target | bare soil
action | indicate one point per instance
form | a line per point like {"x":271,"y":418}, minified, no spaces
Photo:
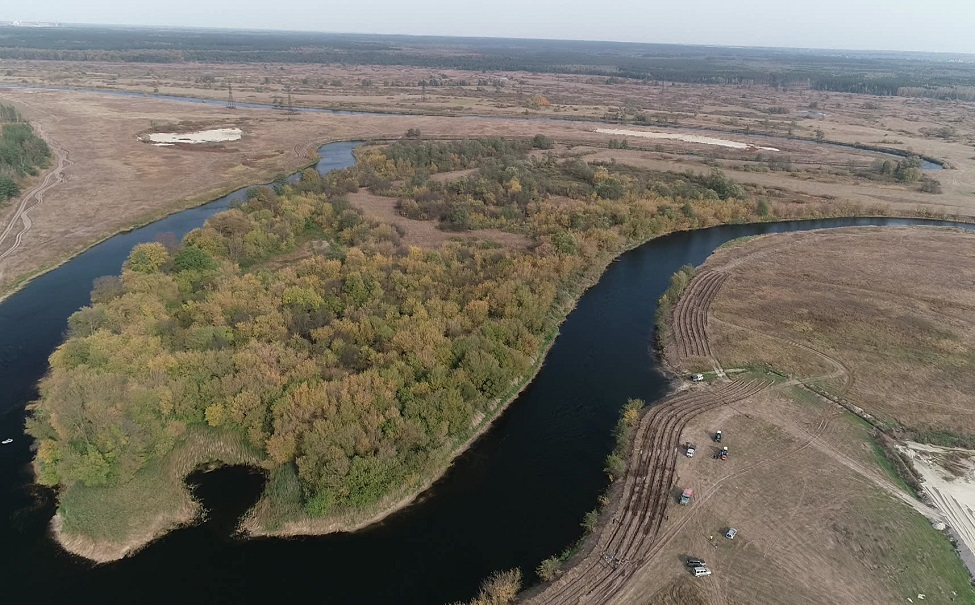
{"x":631,"y":532}
{"x":818,"y":521}
{"x":425,"y":234}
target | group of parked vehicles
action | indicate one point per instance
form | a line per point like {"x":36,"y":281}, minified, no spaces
{"x":697,"y":566}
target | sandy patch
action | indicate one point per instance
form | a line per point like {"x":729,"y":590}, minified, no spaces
{"x":217,"y":135}
{"x":949,"y":479}
{"x":687,"y":138}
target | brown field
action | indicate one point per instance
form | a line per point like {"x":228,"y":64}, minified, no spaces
{"x":894,"y":121}
{"x":877,"y":318}
{"x":112,"y":181}
{"x":819,"y":521}
{"x":893,"y":308}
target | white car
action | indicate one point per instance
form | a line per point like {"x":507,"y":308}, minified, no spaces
{"x":700,"y":571}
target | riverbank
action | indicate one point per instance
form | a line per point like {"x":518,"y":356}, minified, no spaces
{"x":256,"y":523}
{"x":780,"y":423}
{"x":583,"y":276}
{"x":254,"y":526}
{"x":202,"y":199}
{"x":186,"y":511}
{"x":159,"y":494}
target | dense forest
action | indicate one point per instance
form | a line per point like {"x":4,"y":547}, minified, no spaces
{"x":21,"y":152}
{"x":881,"y":73}
{"x":355,"y":364}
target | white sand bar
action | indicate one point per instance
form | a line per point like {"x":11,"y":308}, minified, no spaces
{"x":218,"y":135}
{"x":953,"y":493}
{"x":687,"y":138}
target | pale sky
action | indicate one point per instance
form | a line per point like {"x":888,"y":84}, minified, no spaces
{"x":932,"y":25}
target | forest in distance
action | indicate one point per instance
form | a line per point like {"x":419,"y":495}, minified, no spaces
{"x":354,"y":372}
{"x":918,"y":74}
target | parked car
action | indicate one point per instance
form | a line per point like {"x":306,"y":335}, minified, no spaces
{"x":700,"y":571}
{"x":692,"y":562}
{"x":731,"y":533}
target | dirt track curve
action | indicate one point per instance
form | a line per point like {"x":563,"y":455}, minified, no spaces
{"x":32,"y":199}
{"x":628,"y":540}
{"x":691,"y":314}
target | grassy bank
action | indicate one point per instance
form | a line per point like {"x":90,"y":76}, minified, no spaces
{"x":202,"y":199}
{"x":663,"y":317}
{"x":105,"y":525}
{"x":320,"y":363}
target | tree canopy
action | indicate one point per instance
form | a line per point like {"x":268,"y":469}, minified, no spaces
{"x":21,"y":152}
{"x":356,"y":367}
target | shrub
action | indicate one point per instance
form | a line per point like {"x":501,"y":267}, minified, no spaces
{"x":929,"y":185}
{"x":549,"y":568}
{"x":540,"y":141}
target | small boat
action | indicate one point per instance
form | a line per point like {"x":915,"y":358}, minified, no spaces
{"x":6,"y":441}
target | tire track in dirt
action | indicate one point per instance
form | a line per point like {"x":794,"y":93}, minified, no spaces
{"x":627,"y":540}
{"x":305,"y":150}
{"x":34,"y":197}
{"x":841,"y":370}
{"x":691,"y":314}
{"x":713,"y":489}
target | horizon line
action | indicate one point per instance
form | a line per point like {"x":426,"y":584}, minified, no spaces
{"x":63,"y":24}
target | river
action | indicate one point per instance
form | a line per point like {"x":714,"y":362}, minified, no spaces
{"x":514,"y":498}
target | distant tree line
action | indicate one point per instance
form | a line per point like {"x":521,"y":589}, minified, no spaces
{"x":868,"y":73}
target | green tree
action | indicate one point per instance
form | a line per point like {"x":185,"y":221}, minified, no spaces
{"x":8,"y":188}
{"x":192,"y":258}
{"x":540,"y":141}
{"x":148,"y":258}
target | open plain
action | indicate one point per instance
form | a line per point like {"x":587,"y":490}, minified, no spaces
{"x":869,"y":331}
{"x":836,"y":344}
{"x":112,"y":180}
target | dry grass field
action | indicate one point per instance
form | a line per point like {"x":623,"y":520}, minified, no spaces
{"x":878,"y":318}
{"x":425,"y":234}
{"x":113,"y":181}
{"x":892,"y":306}
{"x":818,"y":519}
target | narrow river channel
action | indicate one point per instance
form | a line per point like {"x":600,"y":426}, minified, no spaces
{"x":516,"y":497}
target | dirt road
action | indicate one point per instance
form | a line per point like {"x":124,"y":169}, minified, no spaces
{"x":32,"y":199}
{"x":629,"y":539}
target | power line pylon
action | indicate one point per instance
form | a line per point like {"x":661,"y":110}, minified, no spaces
{"x":291,"y":104}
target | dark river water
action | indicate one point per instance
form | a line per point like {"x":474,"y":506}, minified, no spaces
{"x":514,"y":498}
